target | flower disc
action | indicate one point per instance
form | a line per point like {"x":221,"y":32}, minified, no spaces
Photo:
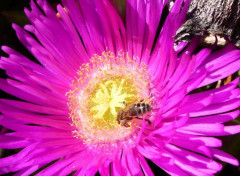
{"x":104,"y":87}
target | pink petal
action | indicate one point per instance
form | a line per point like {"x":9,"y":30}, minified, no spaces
{"x":221,"y":118}
{"x":221,"y":73}
{"x":195,"y":104}
{"x":28,"y":171}
{"x":192,"y":146}
{"x":33,"y":108}
{"x":224,"y":157}
{"x":146,"y":169}
{"x":230,"y":130}
{"x":217,"y":108}
{"x":59,"y":165}
{"x":8,"y":142}
{"x":207,"y":141}
{"x":203,"y":128}
{"x":197,"y":164}
{"x":132,"y":162}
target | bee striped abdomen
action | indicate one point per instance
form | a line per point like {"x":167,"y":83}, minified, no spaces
{"x":143,"y":108}
{"x":139,"y":109}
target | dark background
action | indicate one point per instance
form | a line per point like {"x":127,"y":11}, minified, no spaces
{"x":11,"y":11}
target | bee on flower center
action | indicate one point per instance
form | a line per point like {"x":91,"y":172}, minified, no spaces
{"x":132,"y":111}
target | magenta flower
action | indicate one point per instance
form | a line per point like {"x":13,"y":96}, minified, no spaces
{"x":92,"y":67}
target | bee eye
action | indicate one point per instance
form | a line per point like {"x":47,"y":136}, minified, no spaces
{"x":138,"y":105}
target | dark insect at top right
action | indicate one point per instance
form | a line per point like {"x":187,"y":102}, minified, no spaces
{"x":217,"y":18}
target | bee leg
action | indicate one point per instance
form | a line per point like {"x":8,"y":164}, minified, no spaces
{"x":148,"y":121}
{"x":129,"y":118}
{"x":126,"y":124}
{"x":119,"y":116}
{"x":118,"y":121}
{"x":125,"y":103}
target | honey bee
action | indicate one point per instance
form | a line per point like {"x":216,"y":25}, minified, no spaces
{"x":133,"y":111}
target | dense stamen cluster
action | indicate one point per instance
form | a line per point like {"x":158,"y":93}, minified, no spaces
{"x":98,"y":94}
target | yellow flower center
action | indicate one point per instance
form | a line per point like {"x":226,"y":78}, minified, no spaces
{"x":100,"y":91}
{"x":107,"y":99}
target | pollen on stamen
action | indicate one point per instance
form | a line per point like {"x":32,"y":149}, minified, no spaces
{"x":98,"y":92}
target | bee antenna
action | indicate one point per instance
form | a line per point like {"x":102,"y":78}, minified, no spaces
{"x":124,"y":103}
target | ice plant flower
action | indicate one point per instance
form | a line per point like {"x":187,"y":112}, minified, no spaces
{"x":92,"y":66}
